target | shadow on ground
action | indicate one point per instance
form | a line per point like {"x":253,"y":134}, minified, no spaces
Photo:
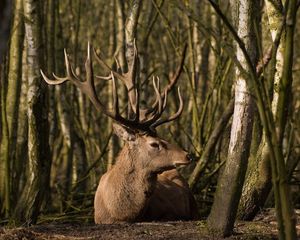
{"x":264,"y":227}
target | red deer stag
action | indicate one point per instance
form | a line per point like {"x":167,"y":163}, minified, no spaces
{"x":143,"y":184}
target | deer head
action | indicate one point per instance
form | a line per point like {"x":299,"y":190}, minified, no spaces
{"x":150,"y":152}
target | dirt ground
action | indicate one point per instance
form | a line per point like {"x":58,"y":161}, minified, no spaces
{"x":264,"y":227}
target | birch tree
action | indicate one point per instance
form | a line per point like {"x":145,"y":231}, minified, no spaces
{"x":229,"y":189}
{"x":30,"y":202}
{"x":258,"y":183}
{"x":283,"y":203}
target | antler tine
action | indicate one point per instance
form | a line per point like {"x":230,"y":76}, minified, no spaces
{"x":129,"y":79}
{"x":71,"y":76}
{"x":165,"y":100}
{"x":103,"y":77}
{"x":157,"y":109}
{"x":117,"y":63}
{"x":158,"y":83}
{"x":57,"y":80}
{"x":156,"y":112}
{"x":105,"y":65}
{"x":109,"y":77}
{"x":132,"y":78}
{"x":88,"y":87}
{"x":176,"y":76}
{"x":158,"y":97}
{"x":115,"y":96}
{"x":137,"y":106}
{"x":70,"y":72}
{"x":174,"y":116}
{"x":89,"y":68}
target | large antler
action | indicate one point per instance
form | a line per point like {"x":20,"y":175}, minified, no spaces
{"x":130,"y":81}
{"x":145,"y":119}
{"x":87,"y":86}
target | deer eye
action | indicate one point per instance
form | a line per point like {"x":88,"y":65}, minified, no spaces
{"x":154,"y":145}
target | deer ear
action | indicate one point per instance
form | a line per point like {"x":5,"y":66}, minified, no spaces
{"x":123,"y":132}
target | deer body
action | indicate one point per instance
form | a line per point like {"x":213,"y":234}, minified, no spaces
{"x":171,"y":200}
{"x":121,"y":193}
{"x":133,"y":190}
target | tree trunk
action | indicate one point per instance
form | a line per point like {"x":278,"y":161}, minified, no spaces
{"x":21,"y":153}
{"x":50,"y":43}
{"x":13,"y":97}
{"x":259,"y":178}
{"x":4,"y":175}
{"x":258,"y":183}
{"x":29,"y":204}
{"x":202,"y":67}
{"x":111,"y":49}
{"x":131,"y":29}
{"x":121,"y":34}
{"x":5,"y":14}
{"x":229,"y":189}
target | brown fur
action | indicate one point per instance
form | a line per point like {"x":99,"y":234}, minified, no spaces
{"x":171,"y":199}
{"x":134,"y":189}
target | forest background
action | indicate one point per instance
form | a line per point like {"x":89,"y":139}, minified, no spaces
{"x":240,"y":84}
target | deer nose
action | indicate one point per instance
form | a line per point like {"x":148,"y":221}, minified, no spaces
{"x":189,"y":157}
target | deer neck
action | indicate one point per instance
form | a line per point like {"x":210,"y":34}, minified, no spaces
{"x":128,"y":163}
{"x":138,"y":182}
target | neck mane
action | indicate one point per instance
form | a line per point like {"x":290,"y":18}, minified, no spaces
{"x":139,"y":183}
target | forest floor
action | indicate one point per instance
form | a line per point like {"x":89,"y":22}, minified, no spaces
{"x":263,"y":227}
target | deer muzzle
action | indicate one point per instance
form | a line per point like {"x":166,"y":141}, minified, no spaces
{"x":185,"y":161}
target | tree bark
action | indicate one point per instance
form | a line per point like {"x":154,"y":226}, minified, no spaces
{"x":131,"y":29}
{"x":210,"y":145}
{"x":229,"y":189}
{"x":5,"y":15}
{"x":111,"y":49}
{"x":13,"y":98}
{"x":4,"y":150}
{"x":18,"y":179}
{"x":121,"y":34}
{"x":258,"y":184}
{"x":29,"y":204}
{"x":50,"y":46}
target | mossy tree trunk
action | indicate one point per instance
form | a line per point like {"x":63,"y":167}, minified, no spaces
{"x":12,"y":104}
{"x":222,"y":217}
{"x":111,"y":50}
{"x":259,"y":178}
{"x":284,"y":209}
{"x":4,"y":140}
{"x":5,"y":17}
{"x":22,"y":140}
{"x":30,"y":202}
